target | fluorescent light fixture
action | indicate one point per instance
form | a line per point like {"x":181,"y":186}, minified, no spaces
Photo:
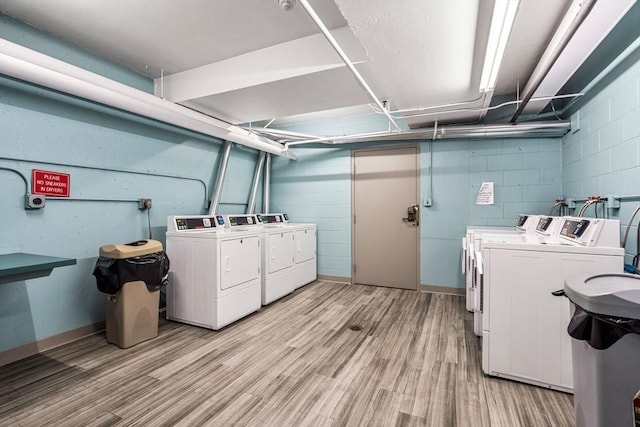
{"x":504,"y":13}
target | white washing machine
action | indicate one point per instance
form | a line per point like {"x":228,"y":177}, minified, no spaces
{"x":306,"y":259}
{"x":523,"y":323}
{"x":524,"y":224}
{"x":278,"y":257}
{"x":215,"y":271}
{"x":538,"y":228}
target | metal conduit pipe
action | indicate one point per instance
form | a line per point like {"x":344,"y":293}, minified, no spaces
{"x":494,"y":107}
{"x":266,"y":189}
{"x":557,"y":45}
{"x":627,"y":54}
{"x":222,"y":171}
{"x":632,"y":49}
{"x":456,"y":105}
{"x":251,"y":206}
{"x":553,"y":129}
{"x":327,"y":34}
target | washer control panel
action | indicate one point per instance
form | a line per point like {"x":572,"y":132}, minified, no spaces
{"x":548,"y":225}
{"x":279,"y":218}
{"x":191,"y":223}
{"x":242,"y":221}
{"x":600,"y":232}
{"x":527,"y":222}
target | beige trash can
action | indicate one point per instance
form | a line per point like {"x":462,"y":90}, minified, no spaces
{"x":137,"y":270}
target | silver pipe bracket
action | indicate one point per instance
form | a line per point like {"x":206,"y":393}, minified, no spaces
{"x":613,"y":202}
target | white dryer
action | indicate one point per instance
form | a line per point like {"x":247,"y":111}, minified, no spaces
{"x":278,"y":257}
{"x":524,"y":319}
{"x":306,"y":259}
{"x":215,"y":272}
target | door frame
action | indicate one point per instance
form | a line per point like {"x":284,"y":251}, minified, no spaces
{"x":353,"y":185}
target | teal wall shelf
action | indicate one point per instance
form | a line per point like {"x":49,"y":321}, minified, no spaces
{"x":19,"y":266}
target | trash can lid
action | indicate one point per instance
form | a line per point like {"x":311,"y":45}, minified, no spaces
{"x":612,"y":294}
{"x":131,"y":249}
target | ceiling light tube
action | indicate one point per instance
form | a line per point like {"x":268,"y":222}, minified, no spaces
{"x":34,"y":67}
{"x":504,"y":13}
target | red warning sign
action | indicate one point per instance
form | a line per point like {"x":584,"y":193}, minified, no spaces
{"x":50,"y":183}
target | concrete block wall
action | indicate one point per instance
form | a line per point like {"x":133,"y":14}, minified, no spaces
{"x":113,"y":159}
{"x":527,"y":178}
{"x":317,"y":188}
{"x":602,"y":158}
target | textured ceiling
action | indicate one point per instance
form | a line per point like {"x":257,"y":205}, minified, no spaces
{"x":251,"y":61}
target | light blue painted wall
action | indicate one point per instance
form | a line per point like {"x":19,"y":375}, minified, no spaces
{"x":317,"y":188}
{"x":527,"y":178}
{"x":50,"y":131}
{"x":603,"y":157}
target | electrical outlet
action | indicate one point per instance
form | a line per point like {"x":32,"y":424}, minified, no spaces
{"x":144,"y":204}
{"x":34,"y":201}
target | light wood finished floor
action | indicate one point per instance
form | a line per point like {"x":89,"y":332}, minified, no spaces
{"x":415,"y":362}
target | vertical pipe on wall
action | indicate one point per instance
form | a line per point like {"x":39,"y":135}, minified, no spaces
{"x":256,"y":180}
{"x":222,"y":170}
{"x":266,"y":191}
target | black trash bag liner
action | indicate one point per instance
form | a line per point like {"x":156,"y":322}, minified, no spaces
{"x":599,"y":330}
{"x":152,"y":269}
{"x":106,"y":275}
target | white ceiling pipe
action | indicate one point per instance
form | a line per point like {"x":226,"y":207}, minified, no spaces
{"x":550,"y":129}
{"x":280,"y":132}
{"x":577,"y":13}
{"x":327,"y":34}
{"x":28,"y":65}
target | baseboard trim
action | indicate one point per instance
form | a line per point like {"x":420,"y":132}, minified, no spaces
{"x":334,"y":278}
{"x":26,"y":350}
{"x":441,"y":289}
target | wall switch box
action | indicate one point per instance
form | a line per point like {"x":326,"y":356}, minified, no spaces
{"x":575,"y":122}
{"x":34,"y":201}
{"x":428,"y":202}
{"x":144,"y":204}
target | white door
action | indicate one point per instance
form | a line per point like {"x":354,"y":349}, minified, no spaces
{"x":386,"y":217}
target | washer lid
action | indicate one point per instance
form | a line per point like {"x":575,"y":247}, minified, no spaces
{"x":613,"y":294}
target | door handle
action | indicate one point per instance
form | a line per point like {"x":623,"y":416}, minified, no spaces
{"x":413,"y":215}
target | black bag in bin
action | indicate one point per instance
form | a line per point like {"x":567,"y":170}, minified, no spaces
{"x":111,"y":273}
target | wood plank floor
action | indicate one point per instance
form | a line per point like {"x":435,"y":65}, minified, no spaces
{"x":415,"y":362}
